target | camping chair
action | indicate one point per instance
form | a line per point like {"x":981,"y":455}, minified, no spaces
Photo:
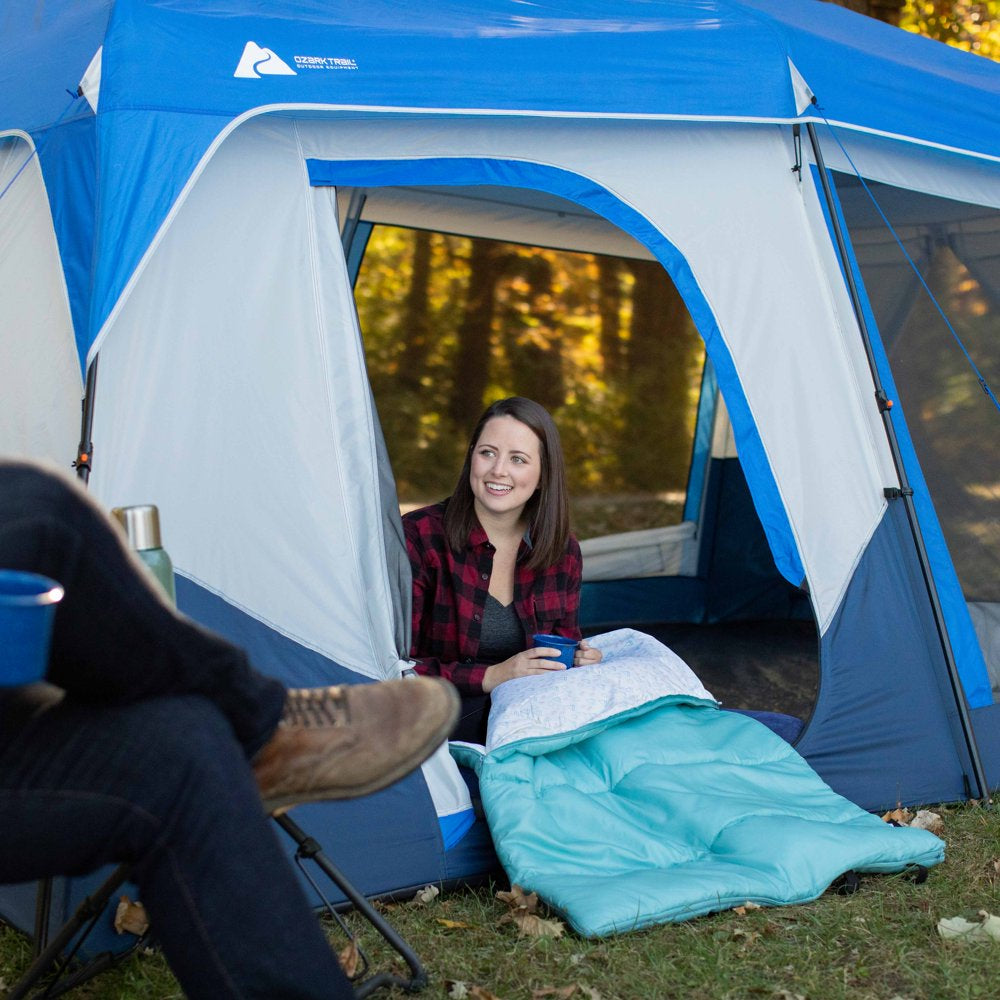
{"x":53,"y":957}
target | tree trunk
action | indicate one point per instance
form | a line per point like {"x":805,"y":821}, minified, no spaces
{"x":656,"y":447}
{"x":472,"y":359}
{"x":610,"y":291}
{"x":416,"y":315}
{"x":531,"y":336}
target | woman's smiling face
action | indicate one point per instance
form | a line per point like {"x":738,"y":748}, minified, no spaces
{"x":506,"y":467}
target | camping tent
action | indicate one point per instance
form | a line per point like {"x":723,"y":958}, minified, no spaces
{"x":191,"y":220}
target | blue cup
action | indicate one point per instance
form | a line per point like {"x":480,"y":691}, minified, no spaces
{"x":566,"y":647}
{"x":27,"y":608}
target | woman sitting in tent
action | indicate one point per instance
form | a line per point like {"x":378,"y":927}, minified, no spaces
{"x":495,"y":563}
{"x":621,"y":794}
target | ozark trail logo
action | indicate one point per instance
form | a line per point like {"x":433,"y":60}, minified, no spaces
{"x":257,"y":61}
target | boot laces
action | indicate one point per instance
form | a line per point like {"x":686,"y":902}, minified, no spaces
{"x":312,"y":708}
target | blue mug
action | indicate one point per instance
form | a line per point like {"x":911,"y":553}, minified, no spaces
{"x":566,"y":647}
{"x":27,"y":609}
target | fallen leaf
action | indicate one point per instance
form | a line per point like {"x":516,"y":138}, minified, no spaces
{"x":481,"y":993}
{"x":532,"y":925}
{"x":900,"y":816}
{"x":564,"y":992}
{"x":984,"y":927}
{"x":788,"y":995}
{"x":130,"y":918}
{"x":350,"y":959}
{"x":426,"y":895}
{"x":457,"y":990}
{"x":927,"y":820}
{"x":518,"y":899}
{"x":745,"y":908}
{"x":453,"y":925}
{"x":747,"y":937}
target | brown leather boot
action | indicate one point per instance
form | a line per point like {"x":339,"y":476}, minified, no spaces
{"x":345,"y":741}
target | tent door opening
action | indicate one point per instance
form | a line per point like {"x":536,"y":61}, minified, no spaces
{"x":672,"y":542}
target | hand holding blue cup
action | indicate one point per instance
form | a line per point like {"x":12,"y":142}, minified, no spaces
{"x":566,"y":647}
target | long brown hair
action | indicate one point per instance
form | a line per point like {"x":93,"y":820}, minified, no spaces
{"x":548,"y":509}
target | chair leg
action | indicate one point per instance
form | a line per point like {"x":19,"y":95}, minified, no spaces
{"x":309,"y":848}
{"x":48,"y":953}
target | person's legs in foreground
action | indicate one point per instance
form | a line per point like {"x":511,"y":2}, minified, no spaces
{"x":146,"y":759}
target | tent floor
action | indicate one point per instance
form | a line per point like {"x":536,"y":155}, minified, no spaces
{"x":767,"y":666}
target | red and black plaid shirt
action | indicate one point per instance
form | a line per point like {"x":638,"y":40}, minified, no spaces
{"x":449,"y":596}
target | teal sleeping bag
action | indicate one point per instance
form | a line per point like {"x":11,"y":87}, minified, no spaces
{"x":625,"y":797}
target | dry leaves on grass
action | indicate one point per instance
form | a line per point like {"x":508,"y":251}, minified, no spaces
{"x":523,"y":913}
{"x":927,"y":820}
{"x":130,"y":918}
{"x":350,"y":958}
{"x":745,"y":908}
{"x":899,"y":815}
{"x":532,"y":925}
{"x":745,"y":938}
{"x":923,"y":819}
{"x":454,"y":925}
{"x":426,"y":895}
{"x":983,"y":926}
{"x":517,"y":898}
{"x":458,"y":990}
{"x":565,"y":992}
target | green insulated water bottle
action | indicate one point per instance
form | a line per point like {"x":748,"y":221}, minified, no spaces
{"x":142,"y":527}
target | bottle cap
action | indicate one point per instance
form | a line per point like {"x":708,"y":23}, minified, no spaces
{"x":141,"y":524}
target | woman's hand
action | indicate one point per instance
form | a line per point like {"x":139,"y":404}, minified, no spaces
{"x":524,"y":664}
{"x":586,"y":655}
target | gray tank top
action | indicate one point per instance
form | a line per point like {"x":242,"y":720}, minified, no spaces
{"x":501,"y":635}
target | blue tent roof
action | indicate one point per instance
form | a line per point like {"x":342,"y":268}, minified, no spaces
{"x":169,"y":86}
{"x":633,"y":57}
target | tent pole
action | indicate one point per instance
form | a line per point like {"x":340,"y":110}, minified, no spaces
{"x":85,"y":450}
{"x":905,"y":492}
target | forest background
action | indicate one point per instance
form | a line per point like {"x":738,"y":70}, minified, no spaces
{"x":605,"y":343}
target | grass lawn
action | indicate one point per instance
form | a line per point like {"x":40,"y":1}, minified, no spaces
{"x":879,"y":943}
